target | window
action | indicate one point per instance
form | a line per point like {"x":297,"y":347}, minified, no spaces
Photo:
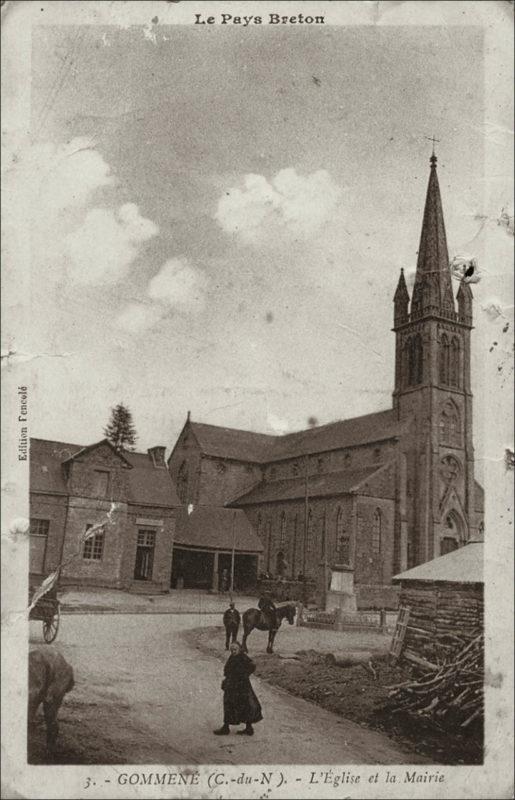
{"x":454,"y":369}
{"x":182,"y":482}
{"x":377,"y":531}
{"x":451,"y":537}
{"x":101,"y":481}
{"x":342,"y":539}
{"x":38,"y":542}
{"x":39,"y":527}
{"x":295,"y":470}
{"x":220,"y":467}
{"x":320,"y":464}
{"x":94,"y":546}
{"x":310,"y":526}
{"x":273,"y":473}
{"x":444,"y":359}
{"x":144,"y":555}
{"x":282,"y":538}
{"x":414,"y":354}
{"x":377,"y":454}
{"x":347,"y":459}
{"x":280,"y":564}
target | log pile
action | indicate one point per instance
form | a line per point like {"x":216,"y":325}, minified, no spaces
{"x":449,"y":694}
{"x":436,"y":612}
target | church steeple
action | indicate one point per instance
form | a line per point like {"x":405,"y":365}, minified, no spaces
{"x":432,"y":292}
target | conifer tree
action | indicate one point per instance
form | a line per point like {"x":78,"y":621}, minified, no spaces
{"x":120,"y":430}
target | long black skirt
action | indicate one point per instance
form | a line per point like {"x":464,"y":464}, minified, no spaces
{"x":241,"y":704}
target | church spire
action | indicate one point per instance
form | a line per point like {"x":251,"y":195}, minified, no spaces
{"x":432,"y":292}
{"x":401,"y":302}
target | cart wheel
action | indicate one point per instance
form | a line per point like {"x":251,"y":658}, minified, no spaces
{"x":50,"y":627}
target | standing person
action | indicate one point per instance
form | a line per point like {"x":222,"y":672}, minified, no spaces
{"x":232,"y":621}
{"x":240,"y":702}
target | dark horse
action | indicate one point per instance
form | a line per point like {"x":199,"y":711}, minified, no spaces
{"x":254,"y":618}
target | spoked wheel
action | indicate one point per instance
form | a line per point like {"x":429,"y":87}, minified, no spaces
{"x":51,"y":626}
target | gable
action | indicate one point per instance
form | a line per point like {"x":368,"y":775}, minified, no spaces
{"x":102,"y":453}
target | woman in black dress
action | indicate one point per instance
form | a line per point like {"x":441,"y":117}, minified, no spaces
{"x":240,"y":702}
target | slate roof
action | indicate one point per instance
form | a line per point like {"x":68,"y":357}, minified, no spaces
{"x":332,"y":483}
{"x":263,"y":448}
{"x":216,"y":528}
{"x":148,"y":485}
{"x":464,"y":565}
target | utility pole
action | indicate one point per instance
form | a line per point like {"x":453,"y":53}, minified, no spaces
{"x":233,"y":553}
{"x":306,"y":513}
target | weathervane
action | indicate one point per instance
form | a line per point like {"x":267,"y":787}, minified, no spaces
{"x":432,"y":139}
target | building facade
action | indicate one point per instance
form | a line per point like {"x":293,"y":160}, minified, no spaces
{"x":379,"y":493}
{"x":127,"y":497}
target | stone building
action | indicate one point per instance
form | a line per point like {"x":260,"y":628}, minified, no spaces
{"x":129,"y":495}
{"x":378,"y":493}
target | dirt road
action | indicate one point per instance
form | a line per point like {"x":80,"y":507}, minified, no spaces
{"x":144,"y":695}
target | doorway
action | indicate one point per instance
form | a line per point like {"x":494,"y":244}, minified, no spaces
{"x":144,"y":555}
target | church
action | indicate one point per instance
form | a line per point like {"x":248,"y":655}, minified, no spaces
{"x":376,"y":494}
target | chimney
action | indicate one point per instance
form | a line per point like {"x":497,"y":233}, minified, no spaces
{"x":157,"y":454}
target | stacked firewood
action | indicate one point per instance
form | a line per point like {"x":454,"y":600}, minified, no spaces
{"x":449,"y":694}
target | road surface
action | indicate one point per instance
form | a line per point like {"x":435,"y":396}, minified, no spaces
{"x":144,"y":695}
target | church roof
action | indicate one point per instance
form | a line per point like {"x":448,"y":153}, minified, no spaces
{"x":216,"y":528}
{"x":464,"y":565}
{"x":331,"y":483}
{"x":232,"y":443}
{"x":148,"y":485}
{"x":263,"y":448}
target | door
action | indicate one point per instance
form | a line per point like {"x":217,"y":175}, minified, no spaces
{"x":144,"y":555}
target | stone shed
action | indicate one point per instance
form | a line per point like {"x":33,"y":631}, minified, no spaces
{"x":445,"y":597}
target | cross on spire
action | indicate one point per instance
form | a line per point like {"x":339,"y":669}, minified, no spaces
{"x":432,"y":139}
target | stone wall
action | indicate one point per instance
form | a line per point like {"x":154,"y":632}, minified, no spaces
{"x":222,"y":480}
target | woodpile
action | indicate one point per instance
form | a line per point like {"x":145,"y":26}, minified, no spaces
{"x":449,"y":694}
{"x":436,"y":612}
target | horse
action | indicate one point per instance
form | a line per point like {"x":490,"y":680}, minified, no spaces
{"x":255,"y":618}
{"x":50,"y":678}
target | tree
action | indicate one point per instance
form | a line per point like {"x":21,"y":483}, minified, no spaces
{"x":120,"y":430}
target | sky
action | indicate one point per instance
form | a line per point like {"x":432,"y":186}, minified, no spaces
{"x":219,"y":217}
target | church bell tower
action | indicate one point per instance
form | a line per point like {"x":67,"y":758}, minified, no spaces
{"x":432,"y":395}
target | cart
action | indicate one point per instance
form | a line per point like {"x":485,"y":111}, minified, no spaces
{"x":46,"y":609}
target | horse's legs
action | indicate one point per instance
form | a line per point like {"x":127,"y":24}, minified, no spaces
{"x":50,"y":710}
{"x":271,"y":637}
{"x":244,"y":640}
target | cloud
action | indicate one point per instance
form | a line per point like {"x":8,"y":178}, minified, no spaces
{"x":138,"y":317}
{"x":102,"y":248}
{"x":80,"y":236}
{"x":290,"y":204}
{"x":178,"y":285}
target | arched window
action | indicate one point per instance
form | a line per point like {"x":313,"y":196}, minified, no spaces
{"x":182,"y":482}
{"x":268,"y":544}
{"x":342,"y":540}
{"x":258,"y":524}
{"x":444,"y":359}
{"x":450,"y":426}
{"x":310,"y":526}
{"x":377,"y":531}
{"x":454,"y":368}
{"x":282,"y":535}
{"x":294,"y":546}
{"x":414,"y":345}
{"x":481,"y":529}
{"x":295,"y":469}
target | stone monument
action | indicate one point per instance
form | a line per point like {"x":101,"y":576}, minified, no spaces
{"x":341,"y":597}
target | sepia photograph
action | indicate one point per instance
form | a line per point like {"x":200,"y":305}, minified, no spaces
{"x":257,"y":351}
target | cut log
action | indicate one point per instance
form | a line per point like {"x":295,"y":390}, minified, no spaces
{"x":420,"y":662}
